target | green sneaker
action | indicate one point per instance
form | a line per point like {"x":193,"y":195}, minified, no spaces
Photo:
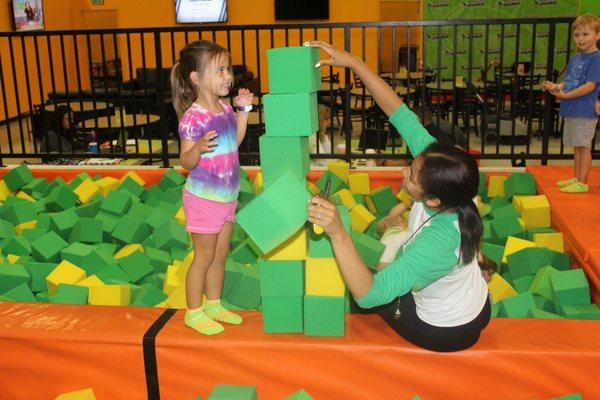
{"x":200,"y":322}
{"x":218,"y":313}
{"x":566,"y":182}
{"x":577,"y":187}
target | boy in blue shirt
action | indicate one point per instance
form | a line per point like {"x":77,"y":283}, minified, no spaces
{"x":578,"y":94}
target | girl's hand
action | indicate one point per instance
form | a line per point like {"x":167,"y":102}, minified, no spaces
{"x":323,"y":213}
{"x":207,"y":143}
{"x":244,"y":98}
{"x":337,"y":57}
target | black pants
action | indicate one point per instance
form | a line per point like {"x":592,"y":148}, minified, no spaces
{"x":430,"y":337}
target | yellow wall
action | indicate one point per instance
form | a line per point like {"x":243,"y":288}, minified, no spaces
{"x":66,"y":14}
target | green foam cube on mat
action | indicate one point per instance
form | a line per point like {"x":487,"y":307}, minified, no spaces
{"x":517,"y":306}
{"x":179,"y":253}
{"x":70,"y":294}
{"x":527,"y":261}
{"x":7,"y":229}
{"x":159,"y":259}
{"x":108,"y":248}
{"x":42,"y":297}
{"x":246,"y":293}
{"x":130,"y":230}
{"x":153,"y":192}
{"x":540,"y":285}
{"x":32,"y":234}
{"x":560,"y":261}
{"x":574,"y":396}
{"x":109,"y":221}
{"x":508,"y":210}
{"x":282,"y":314}
{"x":132,"y":187}
{"x":16,"y":245}
{"x":76,"y":252}
{"x":498,"y":202}
{"x":44,"y":221}
{"x":36,"y":187}
{"x":280,"y":154}
{"x":532,"y":231}
{"x":281,"y":278}
{"x":522,"y":284}
{"x":535,"y":312}
{"x":96,"y":261}
{"x":324,"y":316}
{"x":171,"y":234}
{"x":570,"y":287}
{"x":337,"y":183}
{"x":136,"y":265}
{"x":369,"y":249}
{"x":139,"y":211}
{"x":231,"y":280}
{"x":20,"y":293}
{"x":157,"y":217}
{"x":87,"y":230}
{"x":19,"y":212}
{"x":544,"y":304}
{"x":522,"y":183}
{"x":319,"y":246}
{"x":111,"y":274}
{"x":299,"y":395}
{"x":504,"y":227}
{"x":154,"y":279}
{"x":291,"y":114}
{"x":283,"y":204}
{"x":233,"y":392}
{"x":38,"y":273}
{"x":384,"y":199}
{"x":18,"y":177}
{"x":170,"y":179}
{"x":82,"y":176}
{"x":11,"y":276}
{"x":172,"y":195}
{"x":61,"y":198}
{"x":292,"y":69}
{"x":62,"y":222}
{"x":48,"y":247}
{"x":116,"y":203}
{"x":581,"y":311}
{"x":148,"y":295}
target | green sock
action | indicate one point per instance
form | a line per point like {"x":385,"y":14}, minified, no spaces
{"x":216,"y":311}
{"x":200,"y":322}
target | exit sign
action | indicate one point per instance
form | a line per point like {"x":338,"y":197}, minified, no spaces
{"x":97,"y":2}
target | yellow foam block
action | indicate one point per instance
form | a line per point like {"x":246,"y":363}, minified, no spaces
{"x":314,"y":189}
{"x":359,"y":183}
{"x":86,"y":190}
{"x":403,"y":195}
{"x":518,"y":201}
{"x":129,"y":249}
{"x":90,"y":281}
{"x":85,"y":394}
{"x":12,"y":258}
{"x":340,"y":168}
{"x":346,"y":197}
{"x":360,"y":218}
{"x":323,"y":277}
{"x":25,"y":196}
{"x":4,"y":190}
{"x":500,"y":289}
{"x":294,"y":248}
{"x":107,"y":184}
{"x":172,"y":280}
{"x":553,"y":241}
{"x":162,"y":304}
{"x":25,"y":225}
{"x":65,"y":272}
{"x":496,"y":186}
{"x":180,"y":269}
{"x":187,"y":261}
{"x":522,"y":223}
{"x":257,"y":185}
{"x":110,"y":295}
{"x":180,"y":216}
{"x":177,"y":299}
{"x":370,"y":204}
{"x":514,"y":244}
{"x":535,"y":211}
{"x":133,"y":176}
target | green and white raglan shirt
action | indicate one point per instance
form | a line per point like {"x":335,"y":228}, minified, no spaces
{"x":446,"y":293}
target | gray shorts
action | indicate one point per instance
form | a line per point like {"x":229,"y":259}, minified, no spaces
{"x":579,"y":132}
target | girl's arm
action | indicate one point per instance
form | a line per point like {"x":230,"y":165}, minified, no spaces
{"x":244,"y":98}
{"x":191,"y":151}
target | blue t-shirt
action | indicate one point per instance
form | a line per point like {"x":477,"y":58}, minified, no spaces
{"x":582,"y":68}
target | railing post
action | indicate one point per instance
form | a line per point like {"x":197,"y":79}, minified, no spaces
{"x":161,"y":101}
{"x":347,"y":119}
{"x":550,"y":101}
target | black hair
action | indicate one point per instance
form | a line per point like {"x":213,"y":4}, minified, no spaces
{"x":56,"y":120}
{"x":451,"y":175}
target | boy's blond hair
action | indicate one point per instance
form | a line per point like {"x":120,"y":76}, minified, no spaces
{"x":589,"y":20}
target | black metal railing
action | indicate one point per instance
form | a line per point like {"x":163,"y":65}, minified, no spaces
{"x":117,"y":84}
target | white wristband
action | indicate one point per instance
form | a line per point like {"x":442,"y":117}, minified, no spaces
{"x":244,"y":108}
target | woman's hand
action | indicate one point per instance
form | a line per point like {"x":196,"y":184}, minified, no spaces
{"x":207,"y":143}
{"x":322,"y":212}
{"x":244,"y":98}
{"x":337,"y":57}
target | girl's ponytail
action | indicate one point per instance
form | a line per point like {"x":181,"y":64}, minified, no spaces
{"x":471,"y":230}
{"x":182,"y":91}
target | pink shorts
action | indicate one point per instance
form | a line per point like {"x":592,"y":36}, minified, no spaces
{"x":206,"y":216}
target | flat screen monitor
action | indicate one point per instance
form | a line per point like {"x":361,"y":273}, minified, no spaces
{"x":28,"y":15}
{"x":195,"y":11}
{"x":301,"y":9}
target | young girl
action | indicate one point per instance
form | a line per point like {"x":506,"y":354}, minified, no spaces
{"x":433,"y":294}
{"x":210,"y":134}
{"x":322,"y":136}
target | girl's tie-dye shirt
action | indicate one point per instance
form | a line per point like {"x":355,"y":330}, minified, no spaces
{"x":217,"y":175}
